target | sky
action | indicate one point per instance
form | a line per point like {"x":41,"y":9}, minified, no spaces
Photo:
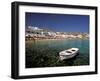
{"x":58,"y":22}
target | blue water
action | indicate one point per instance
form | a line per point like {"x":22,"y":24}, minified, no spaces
{"x":49,"y":51}
{"x":61,"y":45}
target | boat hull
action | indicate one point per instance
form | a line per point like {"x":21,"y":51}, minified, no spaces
{"x":67,"y":56}
{"x":63,"y":57}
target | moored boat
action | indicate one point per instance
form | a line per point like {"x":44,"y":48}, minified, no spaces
{"x":69,"y":53}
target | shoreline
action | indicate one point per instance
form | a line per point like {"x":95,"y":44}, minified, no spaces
{"x":56,"y":39}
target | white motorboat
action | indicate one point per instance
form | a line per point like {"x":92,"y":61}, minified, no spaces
{"x":69,"y":53}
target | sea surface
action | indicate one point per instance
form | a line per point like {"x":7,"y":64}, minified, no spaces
{"x":45,"y":53}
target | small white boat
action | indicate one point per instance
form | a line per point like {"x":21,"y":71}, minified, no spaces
{"x":67,"y":54}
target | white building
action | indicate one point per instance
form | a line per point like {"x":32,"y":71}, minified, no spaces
{"x":34,"y":28}
{"x":79,"y":36}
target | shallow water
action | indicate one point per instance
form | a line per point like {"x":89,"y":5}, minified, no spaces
{"x":45,"y":53}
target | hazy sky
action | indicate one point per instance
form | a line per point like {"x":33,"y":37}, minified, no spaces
{"x":58,"y":22}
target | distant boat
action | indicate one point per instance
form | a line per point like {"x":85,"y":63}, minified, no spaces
{"x":67,"y":54}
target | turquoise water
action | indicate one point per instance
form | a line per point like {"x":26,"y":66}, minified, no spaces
{"x":45,"y":53}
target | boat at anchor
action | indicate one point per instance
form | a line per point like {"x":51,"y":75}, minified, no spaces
{"x":69,"y":53}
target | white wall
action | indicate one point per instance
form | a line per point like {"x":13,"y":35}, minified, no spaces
{"x":5,"y":40}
